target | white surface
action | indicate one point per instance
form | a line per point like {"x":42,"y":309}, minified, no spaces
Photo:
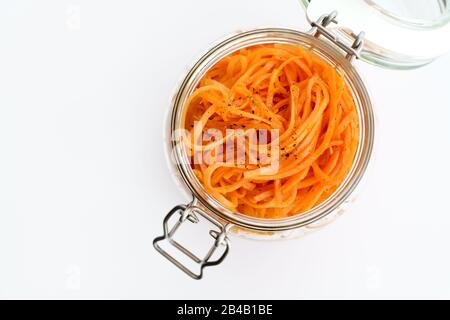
{"x":84,"y":88}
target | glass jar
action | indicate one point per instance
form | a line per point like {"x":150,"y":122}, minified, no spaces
{"x":339,"y":50}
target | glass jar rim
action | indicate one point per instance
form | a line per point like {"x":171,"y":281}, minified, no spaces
{"x":180,"y":159}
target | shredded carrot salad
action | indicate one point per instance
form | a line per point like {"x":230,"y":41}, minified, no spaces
{"x":293,"y":117}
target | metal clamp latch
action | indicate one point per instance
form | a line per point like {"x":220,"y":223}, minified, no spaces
{"x":189,"y":213}
{"x":319,"y":28}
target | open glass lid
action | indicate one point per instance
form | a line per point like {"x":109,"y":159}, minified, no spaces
{"x":399,"y":34}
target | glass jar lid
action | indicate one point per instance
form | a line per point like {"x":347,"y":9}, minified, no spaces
{"x":399,"y":34}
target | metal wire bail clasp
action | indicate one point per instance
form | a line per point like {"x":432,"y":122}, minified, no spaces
{"x":319,"y":28}
{"x":190,"y":213}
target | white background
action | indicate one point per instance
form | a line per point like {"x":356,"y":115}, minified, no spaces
{"x":84,"y":185}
